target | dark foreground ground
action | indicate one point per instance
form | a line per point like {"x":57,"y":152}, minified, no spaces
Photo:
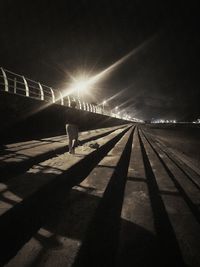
{"x":134,"y":201}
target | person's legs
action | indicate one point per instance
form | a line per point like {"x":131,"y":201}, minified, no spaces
{"x":73,"y":146}
{"x":70,"y":145}
{"x":72,"y":132}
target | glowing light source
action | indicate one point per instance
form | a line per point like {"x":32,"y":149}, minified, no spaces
{"x":80,"y":84}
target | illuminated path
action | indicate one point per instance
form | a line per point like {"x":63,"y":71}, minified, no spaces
{"x":132,"y":202}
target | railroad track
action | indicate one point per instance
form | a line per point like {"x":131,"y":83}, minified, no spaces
{"x":131,"y":202}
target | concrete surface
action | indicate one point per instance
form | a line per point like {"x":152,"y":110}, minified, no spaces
{"x":133,"y":202}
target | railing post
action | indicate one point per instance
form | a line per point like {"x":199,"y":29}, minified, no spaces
{"x":53,"y":96}
{"x":80,"y":107}
{"x":15,"y":85}
{"x":61,"y":97}
{"x":41,"y":91}
{"x":26,"y":86}
{"x":69,"y":101}
{"x":5,"y":80}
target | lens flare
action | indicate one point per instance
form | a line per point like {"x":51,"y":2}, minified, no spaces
{"x":86,"y":82}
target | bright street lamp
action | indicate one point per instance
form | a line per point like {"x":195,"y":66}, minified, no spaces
{"x":80,"y":86}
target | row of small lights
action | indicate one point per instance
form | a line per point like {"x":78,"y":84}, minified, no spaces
{"x":125,"y":116}
{"x":163,"y":121}
{"x":171,"y":121}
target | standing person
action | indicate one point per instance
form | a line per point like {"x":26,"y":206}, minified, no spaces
{"x":72,"y":132}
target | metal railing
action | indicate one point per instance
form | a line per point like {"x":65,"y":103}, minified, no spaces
{"x":17,"y":84}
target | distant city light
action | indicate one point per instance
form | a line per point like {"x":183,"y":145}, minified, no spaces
{"x":163,"y":121}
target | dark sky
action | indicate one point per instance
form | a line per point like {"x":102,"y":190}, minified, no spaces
{"x":47,"y":40}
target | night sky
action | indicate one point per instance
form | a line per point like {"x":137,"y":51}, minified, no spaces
{"x":48,"y":40}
